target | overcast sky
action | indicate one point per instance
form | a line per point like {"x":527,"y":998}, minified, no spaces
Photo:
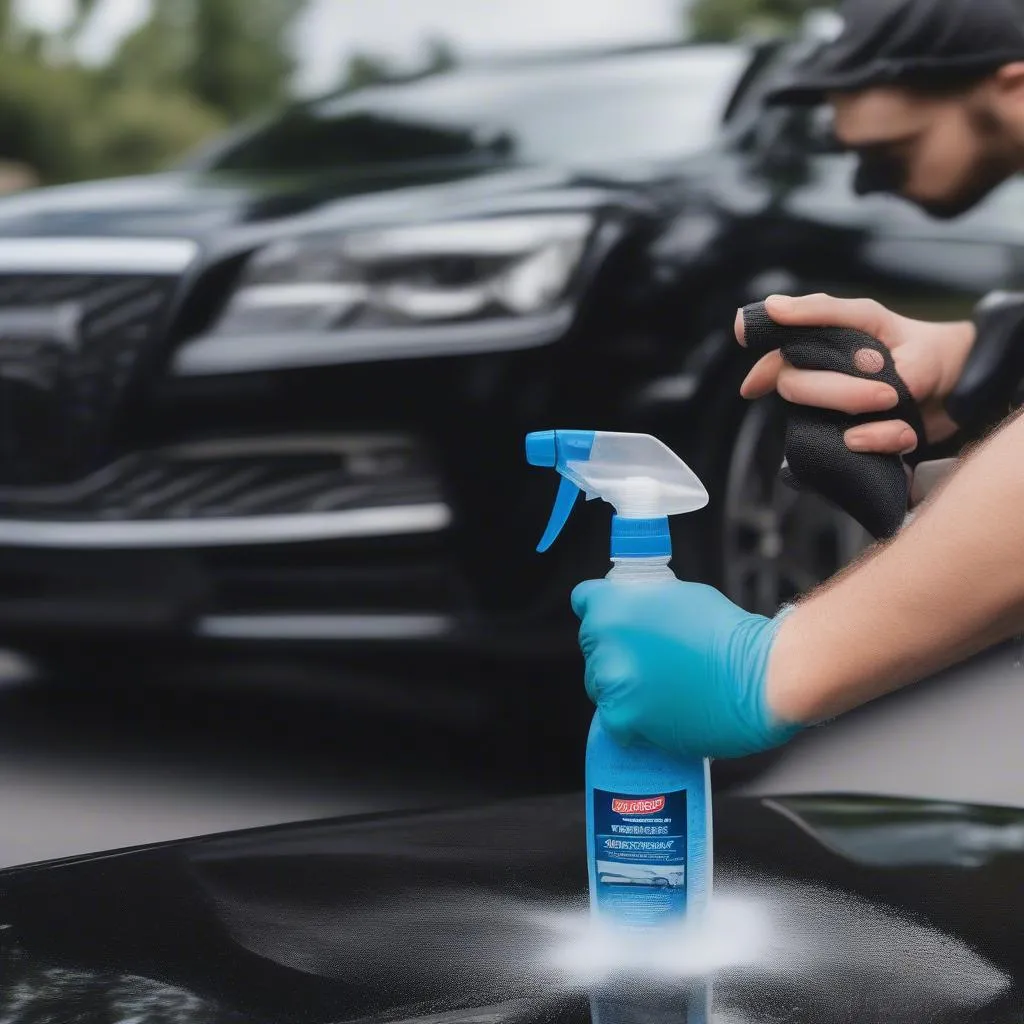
{"x":397,"y":28}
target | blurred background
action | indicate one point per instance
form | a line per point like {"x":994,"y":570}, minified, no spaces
{"x":97,"y":88}
{"x":282,"y":286}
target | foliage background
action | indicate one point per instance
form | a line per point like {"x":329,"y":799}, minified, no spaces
{"x":195,"y":67}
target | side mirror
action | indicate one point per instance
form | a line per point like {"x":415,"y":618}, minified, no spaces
{"x":989,"y":384}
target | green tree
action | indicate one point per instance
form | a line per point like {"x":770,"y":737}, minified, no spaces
{"x":142,"y":131}
{"x":190,"y":69}
{"x":42,"y":113}
{"x":152,"y":58}
{"x":240,"y":62}
{"x":193,"y":67}
{"x":231,"y":55}
{"x":716,"y":21}
{"x":6,"y":23}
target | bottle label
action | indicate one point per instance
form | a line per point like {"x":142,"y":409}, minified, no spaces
{"x":640,"y":856}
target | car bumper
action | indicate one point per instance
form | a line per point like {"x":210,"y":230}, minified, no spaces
{"x":342,"y":540}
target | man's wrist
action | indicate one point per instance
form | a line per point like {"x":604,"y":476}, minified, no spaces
{"x":800,"y":685}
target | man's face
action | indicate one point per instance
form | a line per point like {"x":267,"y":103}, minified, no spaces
{"x":945,"y":154}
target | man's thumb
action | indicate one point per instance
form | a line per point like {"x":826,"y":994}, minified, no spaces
{"x":582,"y":594}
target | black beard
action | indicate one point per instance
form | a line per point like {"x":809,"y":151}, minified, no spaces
{"x":996,"y":166}
{"x":888,"y":173}
{"x":988,"y":177}
{"x":880,"y":172}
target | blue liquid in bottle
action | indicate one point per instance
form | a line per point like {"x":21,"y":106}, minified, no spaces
{"x":649,"y":830}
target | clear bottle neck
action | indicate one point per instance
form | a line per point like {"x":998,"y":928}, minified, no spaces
{"x":641,"y":570}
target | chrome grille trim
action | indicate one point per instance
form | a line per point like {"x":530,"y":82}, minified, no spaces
{"x":399,"y":520}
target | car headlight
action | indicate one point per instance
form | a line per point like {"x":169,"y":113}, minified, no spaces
{"x":425,"y":274}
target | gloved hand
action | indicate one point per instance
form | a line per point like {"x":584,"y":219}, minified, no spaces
{"x":680,"y":666}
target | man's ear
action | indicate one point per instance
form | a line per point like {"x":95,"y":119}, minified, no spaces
{"x":1009,"y":80}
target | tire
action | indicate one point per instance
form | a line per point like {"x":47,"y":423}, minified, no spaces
{"x":759,"y":542}
{"x":776,"y":543}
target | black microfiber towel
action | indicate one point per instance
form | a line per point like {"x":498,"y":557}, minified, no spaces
{"x":874,"y":489}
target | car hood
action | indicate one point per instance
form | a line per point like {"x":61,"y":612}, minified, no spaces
{"x":199,"y":204}
{"x":827,"y":909}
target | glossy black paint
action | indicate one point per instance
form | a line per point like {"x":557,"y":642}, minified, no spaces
{"x":440,"y":916}
{"x":686,"y":237}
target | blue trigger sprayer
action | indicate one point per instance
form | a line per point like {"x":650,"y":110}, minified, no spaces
{"x":648,"y":814}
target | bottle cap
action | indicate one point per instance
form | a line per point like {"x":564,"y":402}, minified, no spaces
{"x":641,"y":538}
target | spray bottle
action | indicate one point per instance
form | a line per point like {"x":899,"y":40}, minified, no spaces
{"x":648,"y":814}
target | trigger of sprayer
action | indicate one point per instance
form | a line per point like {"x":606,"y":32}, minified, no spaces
{"x":643,"y":479}
{"x":551,"y":449}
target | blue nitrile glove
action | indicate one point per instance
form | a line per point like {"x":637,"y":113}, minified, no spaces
{"x":680,"y":666}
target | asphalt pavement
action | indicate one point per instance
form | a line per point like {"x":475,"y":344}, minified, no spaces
{"x":85,"y":769}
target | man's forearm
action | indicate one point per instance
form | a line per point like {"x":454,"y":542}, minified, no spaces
{"x":949,"y":586}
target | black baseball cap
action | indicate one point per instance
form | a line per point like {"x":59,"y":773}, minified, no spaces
{"x":894,"y":42}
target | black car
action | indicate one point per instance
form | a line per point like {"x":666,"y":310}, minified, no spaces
{"x":275,"y":399}
{"x":827,"y":909}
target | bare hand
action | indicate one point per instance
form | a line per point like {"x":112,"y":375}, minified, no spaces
{"x":929,"y":357}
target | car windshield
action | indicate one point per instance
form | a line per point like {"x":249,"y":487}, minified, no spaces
{"x":652,"y":105}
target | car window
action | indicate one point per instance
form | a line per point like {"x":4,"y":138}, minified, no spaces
{"x":639,"y":106}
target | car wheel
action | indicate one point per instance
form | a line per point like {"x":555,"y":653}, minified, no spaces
{"x":777,"y":543}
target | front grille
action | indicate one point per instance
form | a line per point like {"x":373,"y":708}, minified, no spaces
{"x":60,"y":391}
{"x":235,"y":480}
